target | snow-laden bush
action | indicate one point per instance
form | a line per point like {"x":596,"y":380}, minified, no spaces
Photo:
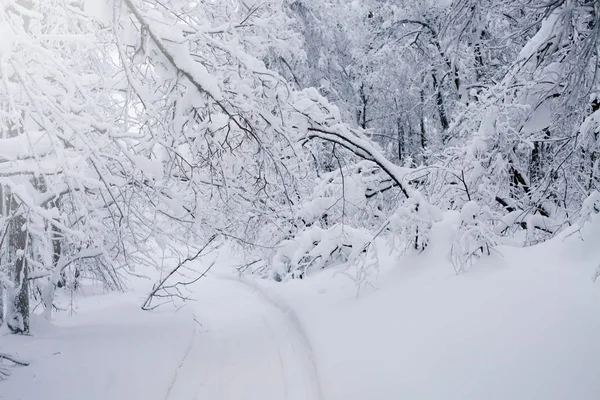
{"x":590,"y":208}
{"x":411,"y":222}
{"x":316,"y":248}
{"x":590,"y":220}
{"x":473,"y":237}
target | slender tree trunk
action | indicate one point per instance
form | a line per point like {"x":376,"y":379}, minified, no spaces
{"x":18,"y":299}
{"x":439,"y":102}
{"x":57,"y":278}
{"x":479,"y":67}
{"x":362,"y":112}
{"x":400,"y":131}
{"x":423,"y":129}
{"x":15,"y":298}
{"x":537,"y":160}
{"x":2,"y":294}
{"x":15,"y":256}
{"x":56,"y":253}
{"x":2,"y":255}
{"x":593,"y":179}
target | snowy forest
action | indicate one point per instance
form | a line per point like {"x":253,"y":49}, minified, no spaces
{"x":140,"y":138}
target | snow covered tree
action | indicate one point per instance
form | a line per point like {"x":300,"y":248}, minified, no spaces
{"x":132,"y":128}
{"x":526,"y":131}
{"x":497,"y":101}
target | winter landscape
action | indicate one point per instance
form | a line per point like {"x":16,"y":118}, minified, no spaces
{"x":299,"y":199}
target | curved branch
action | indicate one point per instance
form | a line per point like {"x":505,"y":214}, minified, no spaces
{"x":364,"y":150}
{"x":13,"y":360}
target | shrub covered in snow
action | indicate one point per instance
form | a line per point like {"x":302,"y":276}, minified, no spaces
{"x":473,"y":237}
{"x":316,"y":248}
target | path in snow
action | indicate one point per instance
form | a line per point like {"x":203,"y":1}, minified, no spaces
{"x":250,"y":348}
{"x":244,"y":346}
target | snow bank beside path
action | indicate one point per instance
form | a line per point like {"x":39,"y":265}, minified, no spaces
{"x":522,"y":326}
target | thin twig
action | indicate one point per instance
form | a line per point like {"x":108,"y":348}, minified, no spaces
{"x":13,"y":360}
{"x":161,"y":285}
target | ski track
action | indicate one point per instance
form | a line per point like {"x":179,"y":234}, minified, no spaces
{"x":254,"y":348}
{"x":181,"y":364}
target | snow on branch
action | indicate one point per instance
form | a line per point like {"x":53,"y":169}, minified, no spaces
{"x":182,"y":61}
{"x":319,"y":125}
{"x":316,"y":248}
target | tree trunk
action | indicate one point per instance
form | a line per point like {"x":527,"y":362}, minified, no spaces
{"x":1,"y":303}
{"x":439,"y":102}
{"x":362,"y":112}
{"x":593,"y":179}
{"x":14,"y":254}
{"x":400,"y":134}
{"x":2,"y":256}
{"x":423,"y":129}
{"x":537,"y":160}
{"x":18,"y":299}
{"x":14,"y":251}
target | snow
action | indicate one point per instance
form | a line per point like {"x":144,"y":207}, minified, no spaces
{"x":234,"y":343}
{"x":197,"y":136}
{"x":8,"y":39}
{"x":315,"y":249}
{"x":540,"y":119}
{"x":520,"y":325}
{"x":150,"y":168}
{"x":113,"y":352}
{"x":99,"y":10}
{"x":543,"y":36}
{"x":22,"y":146}
{"x":469,"y":212}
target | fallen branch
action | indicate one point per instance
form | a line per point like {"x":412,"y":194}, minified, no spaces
{"x":4,"y":370}
{"x":13,"y":360}
{"x":162,"y":290}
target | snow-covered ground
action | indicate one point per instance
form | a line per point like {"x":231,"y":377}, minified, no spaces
{"x":234,"y":343}
{"x":522,"y":325}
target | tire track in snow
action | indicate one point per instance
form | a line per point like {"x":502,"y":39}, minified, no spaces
{"x":294,"y":324}
{"x":181,"y":364}
{"x":255,"y":347}
{"x":279,"y":357}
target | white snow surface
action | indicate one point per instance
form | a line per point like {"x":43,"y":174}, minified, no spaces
{"x":235,"y":343}
{"x":523,"y":324}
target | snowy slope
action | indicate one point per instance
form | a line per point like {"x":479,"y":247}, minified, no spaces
{"x":524,"y":325}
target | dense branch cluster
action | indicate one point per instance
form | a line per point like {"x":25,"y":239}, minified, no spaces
{"x":307,"y":131}
{"x":485,"y":111}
